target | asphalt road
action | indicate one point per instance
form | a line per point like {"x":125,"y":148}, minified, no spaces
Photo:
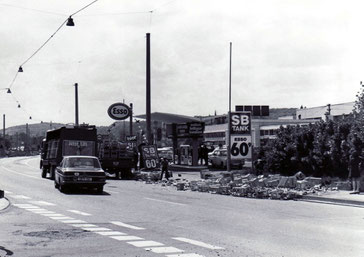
{"x":132,"y":218}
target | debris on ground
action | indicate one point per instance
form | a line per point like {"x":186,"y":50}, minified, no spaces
{"x":273,"y":186}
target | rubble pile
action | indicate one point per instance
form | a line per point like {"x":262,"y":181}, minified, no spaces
{"x":274,"y":187}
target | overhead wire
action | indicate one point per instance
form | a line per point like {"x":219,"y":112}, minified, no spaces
{"x":64,"y":22}
{"x":38,"y":49}
{"x":32,"y":9}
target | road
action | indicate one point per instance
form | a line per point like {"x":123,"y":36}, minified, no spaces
{"x":132,"y":218}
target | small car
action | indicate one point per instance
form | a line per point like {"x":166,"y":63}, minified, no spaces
{"x":166,"y":152}
{"x":218,"y":158}
{"x":80,"y":171}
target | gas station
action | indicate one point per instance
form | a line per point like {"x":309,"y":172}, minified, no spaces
{"x":185,"y":132}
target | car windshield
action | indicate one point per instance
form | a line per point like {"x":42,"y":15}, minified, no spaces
{"x":81,"y":163}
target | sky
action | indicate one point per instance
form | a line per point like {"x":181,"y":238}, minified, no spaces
{"x":285,"y":53}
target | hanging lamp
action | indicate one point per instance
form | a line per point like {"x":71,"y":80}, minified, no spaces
{"x":70,"y":22}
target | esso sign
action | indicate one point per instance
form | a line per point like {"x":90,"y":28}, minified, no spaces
{"x":119,"y":111}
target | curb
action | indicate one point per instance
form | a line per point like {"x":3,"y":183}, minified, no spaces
{"x":327,"y":200}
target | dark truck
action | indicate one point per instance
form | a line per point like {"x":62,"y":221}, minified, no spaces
{"x":116,"y":158}
{"x":80,"y":140}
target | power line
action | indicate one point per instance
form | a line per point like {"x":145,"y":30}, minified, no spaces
{"x":32,"y":9}
{"x":32,"y":55}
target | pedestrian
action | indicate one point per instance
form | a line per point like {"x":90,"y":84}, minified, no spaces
{"x":136,"y":158}
{"x":205,"y":155}
{"x":354,"y":172}
{"x":200,"y":159}
{"x":165,"y":165}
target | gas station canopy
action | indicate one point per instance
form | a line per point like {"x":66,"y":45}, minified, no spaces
{"x":169,"y":117}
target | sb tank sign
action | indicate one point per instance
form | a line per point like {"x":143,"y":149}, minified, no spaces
{"x":119,"y":111}
{"x":240,"y":123}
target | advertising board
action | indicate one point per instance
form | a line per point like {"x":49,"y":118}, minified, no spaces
{"x":150,"y":156}
{"x":240,"y":135}
{"x":119,"y":111}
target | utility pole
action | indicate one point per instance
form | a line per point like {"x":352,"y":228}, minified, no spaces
{"x":76,"y":105}
{"x":228,"y":165}
{"x":148,"y":104}
{"x":131,"y":120}
{"x":4,"y":128}
{"x":26,"y":148}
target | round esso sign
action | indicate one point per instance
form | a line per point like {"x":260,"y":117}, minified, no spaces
{"x":118,"y":111}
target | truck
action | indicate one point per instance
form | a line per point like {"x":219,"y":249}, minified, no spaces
{"x":77,"y":140}
{"x":116,"y":158}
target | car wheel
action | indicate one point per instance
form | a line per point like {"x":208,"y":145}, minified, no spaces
{"x":56,"y":185}
{"x":44,"y":172}
{"x":62,"y":188}
{"x":100,"y":189}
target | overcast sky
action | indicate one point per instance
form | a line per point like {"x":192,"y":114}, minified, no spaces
{"x":286,"y":53}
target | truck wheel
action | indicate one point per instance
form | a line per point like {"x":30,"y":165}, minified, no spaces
{"x":44,"y":172}
{"x":53,"y":170}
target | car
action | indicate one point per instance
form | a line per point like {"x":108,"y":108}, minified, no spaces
{"x":80,"y":171}
{"x":166,"y":152}
{"x":218,"y":158}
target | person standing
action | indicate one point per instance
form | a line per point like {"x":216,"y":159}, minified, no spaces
{"x":354,"y":172}
{"x":165,"y":165}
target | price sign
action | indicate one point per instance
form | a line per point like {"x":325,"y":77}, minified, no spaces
{"x":241,"y":147}
{"x":240,"y":135}
{"x":150,"y":156}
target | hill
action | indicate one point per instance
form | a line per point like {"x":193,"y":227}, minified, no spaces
{"x":35,"y":130}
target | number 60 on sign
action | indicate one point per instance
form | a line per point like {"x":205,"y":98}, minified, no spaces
{"x":241,"y":147}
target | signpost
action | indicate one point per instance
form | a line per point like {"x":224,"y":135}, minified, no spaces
{"x":131,"y":141}
{"x":240,"y":135}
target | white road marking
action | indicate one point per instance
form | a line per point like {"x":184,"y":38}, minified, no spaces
{"x":96,"y":229}
{"x":20,"y":197}
{"x":42,"y":203}
{"x":79,"y":212}
{"x":52,"y":215}
{"x":110,"y":233}
{"x":145,"y":243}
{"x":73,"y":221}
{"x":164,"y":250}
{"x":126,"y":238}
{"x":198,"y":243}
{"x":121,"y":224}
{"x":184,"y":255}
{"x":84,"y":225}
{"x":61,"y":218}
{"x":162,"y":201}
